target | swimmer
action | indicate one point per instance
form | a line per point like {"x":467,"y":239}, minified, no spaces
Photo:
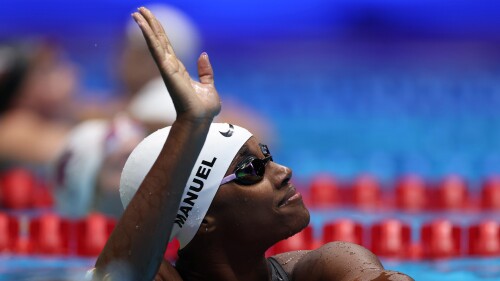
{"x":219,"y":192}
{"x":86,"y":174}
{"x":36,"y":89}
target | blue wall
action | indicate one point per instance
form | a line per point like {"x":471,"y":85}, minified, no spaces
{"x":384,"y":86}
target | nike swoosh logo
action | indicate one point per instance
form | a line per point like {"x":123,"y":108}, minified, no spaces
{"x":229,"y":132}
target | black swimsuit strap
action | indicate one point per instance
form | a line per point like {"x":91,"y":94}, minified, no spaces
{"x":277,"y":272}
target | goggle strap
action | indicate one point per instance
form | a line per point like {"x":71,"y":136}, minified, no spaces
{"x":228,"y":179}
{"x":264,"y":149}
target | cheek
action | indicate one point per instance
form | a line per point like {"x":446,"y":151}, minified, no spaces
{"x":246,"y":206}
{"x":252,"y":206}
{"x":254,"y":209}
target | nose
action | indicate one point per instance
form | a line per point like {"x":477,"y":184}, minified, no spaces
{"x":281,"y":175}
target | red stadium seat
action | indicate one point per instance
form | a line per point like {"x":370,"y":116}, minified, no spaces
{"x":324,"y":191}
{"x":17,"y":189}
{"x":300,"y":241}
{"x":50,"y":234}
{"x":171,"y":252}
{"x":366,"y":192}
{"x":9,"y":233}
{"x":21,"y":242}
{"x":5,"y":235}
{"x":484,"y":239}
{"x":23,"y":246}
{"x":411,"y":193}
{"x":452,"y":193}
{"x":391,"y":238}
{"x":92,"y":233}
{"x":490,"y":193}
{"x":270,"y":252}
{"x":43,"y":197}
{"x":343,"y":230}
{"x":441,"y":239}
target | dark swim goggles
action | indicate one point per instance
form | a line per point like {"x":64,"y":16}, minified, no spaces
{"x":251,"y":171}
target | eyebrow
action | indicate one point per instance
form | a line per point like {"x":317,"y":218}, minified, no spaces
{"x":242,"y":153}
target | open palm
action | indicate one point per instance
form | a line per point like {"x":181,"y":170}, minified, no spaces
{"x":192,"y":99}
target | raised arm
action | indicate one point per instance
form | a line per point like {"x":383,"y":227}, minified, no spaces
{"x":135,"y":249}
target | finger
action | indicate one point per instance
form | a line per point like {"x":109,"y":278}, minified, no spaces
{"x":164,"y":37}
{"x":158,"y":30}
{"x":205,"y":71}
{"x":160,"y":34}
{"x":153,"y":43}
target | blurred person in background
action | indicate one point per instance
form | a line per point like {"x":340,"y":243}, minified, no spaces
{"x":216,"y":189}
{"x":87,"y":172}
{"x":144,"y":95}
{"x":36,"y":88}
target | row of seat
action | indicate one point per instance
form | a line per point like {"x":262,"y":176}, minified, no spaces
{"x":54,"y":235}
{"x":392,"y":238}
{"x":409,"y":193}
{"x":51,"y":234}
{"x":20,"y":189}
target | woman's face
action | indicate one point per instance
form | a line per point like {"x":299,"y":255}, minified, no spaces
{"x":264,"y":212}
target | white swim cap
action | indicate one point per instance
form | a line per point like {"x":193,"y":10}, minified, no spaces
{"x":221,"y":145}
{"x":182,"y":31}
{"x":153,"y":104}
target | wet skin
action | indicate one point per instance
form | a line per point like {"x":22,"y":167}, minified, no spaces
{"x":262,"y":213}
{"x":242,"y":222}
{"x":227,"y":245}
{"x":245,"y":220}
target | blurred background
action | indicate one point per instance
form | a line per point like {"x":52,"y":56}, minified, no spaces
{"x":387,"y":112}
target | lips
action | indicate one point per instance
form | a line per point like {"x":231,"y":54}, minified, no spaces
{"x":291,"y":195}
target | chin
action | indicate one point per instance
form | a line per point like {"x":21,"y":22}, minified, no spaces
{"x":305,"y":216}
{"x":299,"y":221}
{"x":290,"y":221}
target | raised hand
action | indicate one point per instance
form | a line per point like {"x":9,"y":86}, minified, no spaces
{"x":193,"y":100}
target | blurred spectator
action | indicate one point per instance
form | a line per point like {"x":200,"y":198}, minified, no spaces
{"x":145,"y":89}
{"x":137,"y":67}
{"x":143,"y":94}
{"x":87,"y":172}
{"x":153,"y":107}
{"x":36,"y":89}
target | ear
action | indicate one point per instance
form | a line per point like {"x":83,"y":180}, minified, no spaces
{"x":207,"y":225}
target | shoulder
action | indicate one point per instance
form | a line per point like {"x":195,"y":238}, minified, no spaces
{"x":289,"y":260}
{"x":339,"y":261}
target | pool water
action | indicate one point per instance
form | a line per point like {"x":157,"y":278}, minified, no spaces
{"x":463,"y":267}
{"x":39,"y":268}
{"x":449,"y":270}
{"x":42,"y":268}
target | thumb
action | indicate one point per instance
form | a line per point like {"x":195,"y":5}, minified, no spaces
{"x":205,"y":71}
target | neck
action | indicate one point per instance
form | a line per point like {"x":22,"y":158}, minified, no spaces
{"x":231,"y":264}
